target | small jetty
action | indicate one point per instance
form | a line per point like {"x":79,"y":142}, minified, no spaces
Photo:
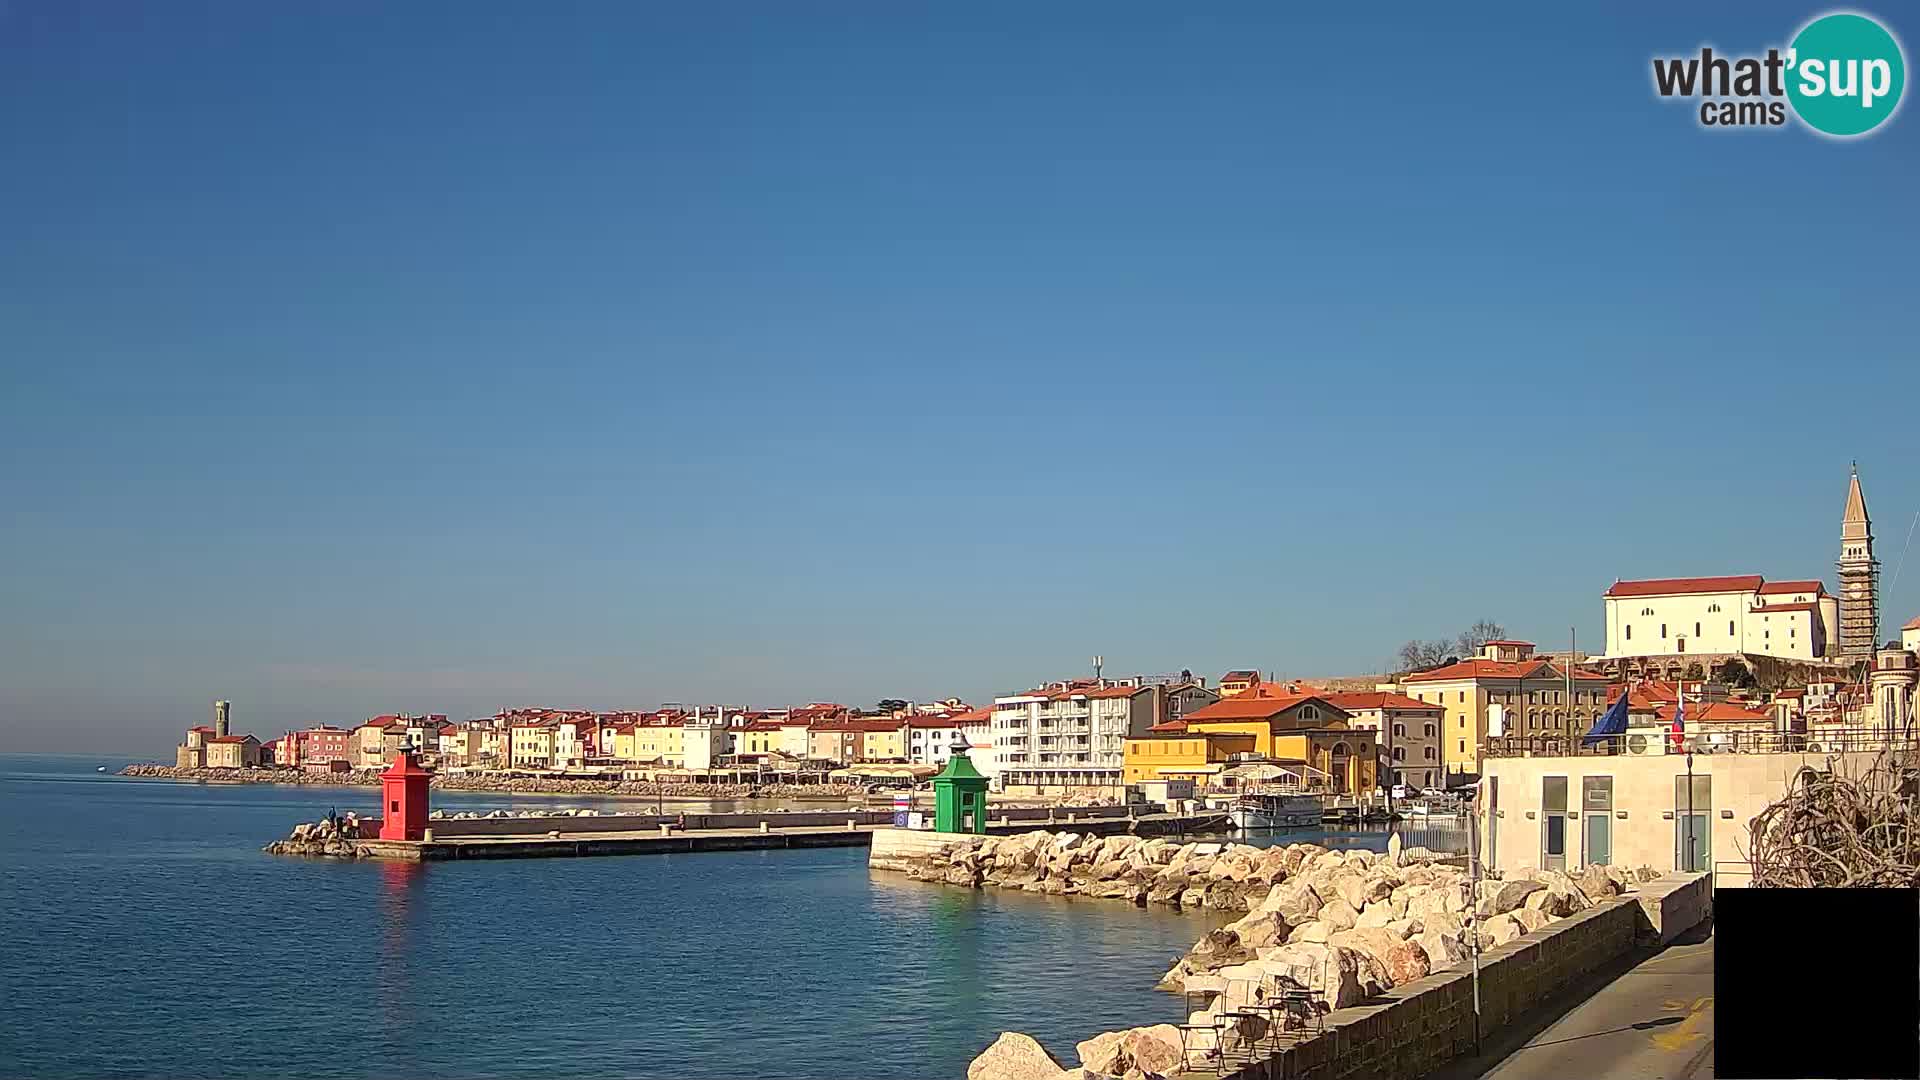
{"x":657,"y":834}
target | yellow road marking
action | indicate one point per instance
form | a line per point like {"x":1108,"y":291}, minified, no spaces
{"x":1688,"y":1031}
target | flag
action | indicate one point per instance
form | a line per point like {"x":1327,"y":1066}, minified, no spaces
{"x":1679,"y":735}
{"x":1612,"y":722}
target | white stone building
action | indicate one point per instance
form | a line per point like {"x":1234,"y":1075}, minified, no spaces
{"x":1718,"y":616}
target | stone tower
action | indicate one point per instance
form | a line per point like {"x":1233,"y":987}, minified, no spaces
{"x":221,"y":710}
{"x":1859,"y":578}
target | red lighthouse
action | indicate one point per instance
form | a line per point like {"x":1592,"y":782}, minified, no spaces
{"x":403,"y":788}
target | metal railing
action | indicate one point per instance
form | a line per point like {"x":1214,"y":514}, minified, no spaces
{"x":1651,"y":743}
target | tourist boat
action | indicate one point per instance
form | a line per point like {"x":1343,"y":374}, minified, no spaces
{"x":1257,"y":811}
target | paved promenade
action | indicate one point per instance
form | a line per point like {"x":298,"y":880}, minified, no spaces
{"x":1652,"y":1021}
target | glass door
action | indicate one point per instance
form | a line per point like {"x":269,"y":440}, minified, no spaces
{"x":1553,"y":823}
{"x":1596,"y":809}
{"x":1692,"y":823}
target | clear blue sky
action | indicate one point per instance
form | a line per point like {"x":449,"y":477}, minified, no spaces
{"x":434,"y":356}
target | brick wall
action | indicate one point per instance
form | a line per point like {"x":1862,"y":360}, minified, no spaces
{"x":1414,"y":1029}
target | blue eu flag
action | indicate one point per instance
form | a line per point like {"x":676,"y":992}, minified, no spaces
{"x":1613,"y":722}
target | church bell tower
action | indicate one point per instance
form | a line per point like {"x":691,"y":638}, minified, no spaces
{"x":1859,"y":578}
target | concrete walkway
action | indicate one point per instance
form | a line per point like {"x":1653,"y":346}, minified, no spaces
{"x":1650,"y":1021}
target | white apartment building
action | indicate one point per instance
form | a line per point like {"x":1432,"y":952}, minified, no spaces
{"x":1072,"y":735}
{"x":930,"y":738}
{"x":1795,"y":620}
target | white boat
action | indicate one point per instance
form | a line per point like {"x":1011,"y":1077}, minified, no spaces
{"x":1274,"y":812}
{"x":1430,"y":809}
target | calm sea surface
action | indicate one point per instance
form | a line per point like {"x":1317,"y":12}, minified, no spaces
{"x":146,"y":935}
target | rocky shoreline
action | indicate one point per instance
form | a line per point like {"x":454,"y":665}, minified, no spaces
{"x":505,"y":785}
{"x":1345,"y":925}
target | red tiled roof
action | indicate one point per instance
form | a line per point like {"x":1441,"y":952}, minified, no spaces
{"x":1792,"y":587}
{"x":1253,"y":705}
{"x":1117,"y":692}
{"x":1667,"y":586}
{"x":1241,"y":676}
{"x":1502,"y":669}
{"x":1509,"y":643}
{"x":1716,"y":713}
{"x":1912,"y":624}
{"x":1794,"y":694}
{"x":1771,"y":608}
{"x":201,"y":727}
{"x":1379,"y":699}
{"x":935,"y":721}
{"x":231,"y":738}
{"x":1169,"y":727}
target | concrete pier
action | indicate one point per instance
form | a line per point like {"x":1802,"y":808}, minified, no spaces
{"x":551,"y":838}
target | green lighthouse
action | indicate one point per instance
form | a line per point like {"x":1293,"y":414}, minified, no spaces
{"x":960,"y":794}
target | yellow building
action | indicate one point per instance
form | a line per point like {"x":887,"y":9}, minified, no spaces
{"x":532,"y":745}
{"x":759,"y":737}
{"x":1178,"y":755}
{"x":1527,"y":694}
{"x":881,"y":742}
{"x":1286,"y":728}
{"x":664,"y":743}
{"x":232,"y":752}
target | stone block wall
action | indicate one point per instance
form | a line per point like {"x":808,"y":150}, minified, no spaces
{"x":1413,"y":1029}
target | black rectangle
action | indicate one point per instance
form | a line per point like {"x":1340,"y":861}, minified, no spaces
{"x":1816,"y":983}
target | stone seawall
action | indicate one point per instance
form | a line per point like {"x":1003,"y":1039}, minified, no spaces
{"x":1346,"y":927}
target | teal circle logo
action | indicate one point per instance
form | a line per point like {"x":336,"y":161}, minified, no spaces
{"x":1845,"y":74}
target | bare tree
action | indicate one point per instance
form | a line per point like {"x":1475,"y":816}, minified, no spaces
{"x":1474,"y":637}
{"x":1416,"y":654}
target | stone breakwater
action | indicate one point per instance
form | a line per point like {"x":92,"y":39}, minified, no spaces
{"x":1345,"y":925}
{"x":509,"y":785}
{"x":333,"y":838}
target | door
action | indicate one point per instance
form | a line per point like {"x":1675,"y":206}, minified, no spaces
{"x":1596,"y":816}
{"x":1553,"y":823}
{"x":1692,"y":823}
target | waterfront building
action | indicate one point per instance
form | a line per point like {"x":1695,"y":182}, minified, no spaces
{"x":704,"y":740}
{"x":883,"y":739}
{"x":1910,"y":635}
{"x":1293,"y":725}
{"x":192,"y":751}
{"x":1406,"y":733}
{"x":1072,"y":735}
{"x":531,"y":743}
{"x":376,"y":741}
{"x":930,"y":738}
{"x":232,"y":752}
{"x":1859,"y":577}
{"x":1507,"y":683}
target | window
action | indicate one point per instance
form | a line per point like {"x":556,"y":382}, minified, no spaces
{"x":1399,"y":731}
{"x":1399,"y":753}
{"x":1629,"y":631}
{"x":1463,"y":695}
{"x":1729,"y":627}
{"x":1663,"y":631}
{"x":1696,"y":629}
{"x":1713,"y":607}
{"x":1463,"y":746}
{"x":1430,"y":732}
{"x":1308,"y":712}
{"x":1428,"y":753}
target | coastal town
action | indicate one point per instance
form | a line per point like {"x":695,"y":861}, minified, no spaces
{"x":1730,"y":664}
